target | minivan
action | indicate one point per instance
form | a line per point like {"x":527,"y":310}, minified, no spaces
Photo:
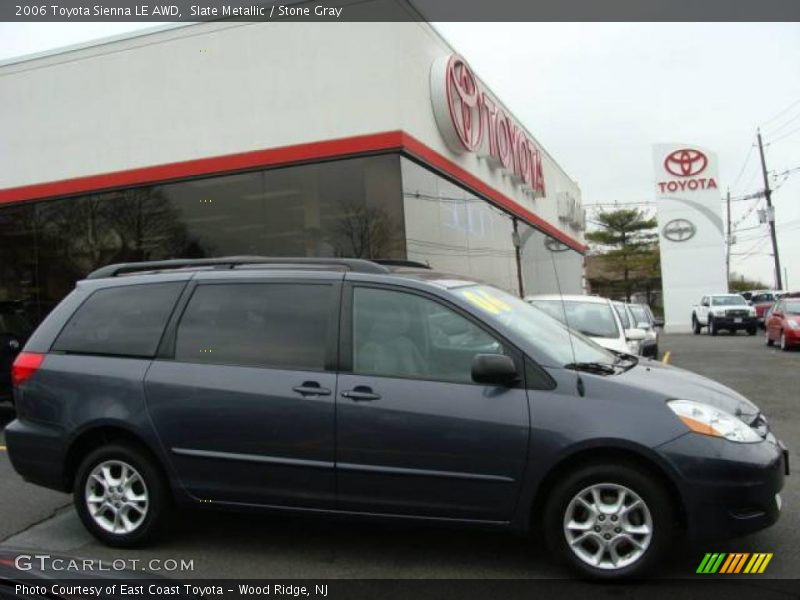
{"x":360,"y":388}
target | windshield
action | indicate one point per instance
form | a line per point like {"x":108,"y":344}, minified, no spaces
{"x":728,"y":301}
{"x":538,"y":327}
{"x":590,"y":318}
{"x":623,"y":315}
{"x":639,"y":313}
{"x":792,"y":307}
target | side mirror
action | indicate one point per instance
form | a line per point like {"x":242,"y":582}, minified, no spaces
{"x":494,"y":369}
{"x":635,"y":335}
{"x":750,"y":302}
{"x":643,"y":325}
{"x":658,"y":322}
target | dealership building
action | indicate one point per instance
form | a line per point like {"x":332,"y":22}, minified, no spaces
{"x":372,"y":140}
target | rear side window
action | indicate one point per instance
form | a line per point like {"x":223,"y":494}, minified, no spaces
{"x":120,"y":321}
{"x":277,"y":325}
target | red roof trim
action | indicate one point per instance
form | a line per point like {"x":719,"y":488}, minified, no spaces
{"x":378,"y":142}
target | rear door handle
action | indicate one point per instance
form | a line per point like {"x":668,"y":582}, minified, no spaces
{"x":361,"y":393}
{"x":311,"y":388}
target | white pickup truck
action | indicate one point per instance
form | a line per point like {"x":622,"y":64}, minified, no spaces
{"x":724,"y":311}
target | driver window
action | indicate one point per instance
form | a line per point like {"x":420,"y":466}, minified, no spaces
{"x":398,"y":334}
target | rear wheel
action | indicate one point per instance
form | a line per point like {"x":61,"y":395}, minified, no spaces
{"x":609,"y":520}
{"x":120,"y":495}
{"x":695,"y":325}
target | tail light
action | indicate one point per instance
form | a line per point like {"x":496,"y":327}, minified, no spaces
{"x":24,"y":367}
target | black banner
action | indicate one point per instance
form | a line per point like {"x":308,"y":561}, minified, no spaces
{"x":399,"y":10}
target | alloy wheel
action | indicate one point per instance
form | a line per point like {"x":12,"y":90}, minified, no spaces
{"x":608,"y":526}
{"x":116,"y":497}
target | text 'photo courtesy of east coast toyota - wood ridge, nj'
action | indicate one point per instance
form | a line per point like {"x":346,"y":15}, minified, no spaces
{"x":376,"y":299}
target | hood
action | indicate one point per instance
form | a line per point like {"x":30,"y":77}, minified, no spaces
{"x":674,"y":383}
{"x":611,"y":343}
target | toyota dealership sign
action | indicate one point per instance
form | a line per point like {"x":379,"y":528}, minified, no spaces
{"x":691,"y":232}
{"x":472,"y":121}
{"x":686,"y":171}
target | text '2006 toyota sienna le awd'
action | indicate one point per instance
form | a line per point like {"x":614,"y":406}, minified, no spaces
{"x":353,"y":387}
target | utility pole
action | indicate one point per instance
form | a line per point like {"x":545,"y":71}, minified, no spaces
{"x":728,"y":243}
{"x":770,"y":215}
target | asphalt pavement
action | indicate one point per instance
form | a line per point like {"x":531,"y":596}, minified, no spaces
{"x":237,"y":545}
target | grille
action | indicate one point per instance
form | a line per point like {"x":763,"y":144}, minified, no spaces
{"x":736,"y":313}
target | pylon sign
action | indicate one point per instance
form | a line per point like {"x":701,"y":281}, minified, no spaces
{"x":690,"y":229}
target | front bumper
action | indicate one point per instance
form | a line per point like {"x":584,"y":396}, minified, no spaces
{"x":735,"y":322}
{"x":728,"y":489}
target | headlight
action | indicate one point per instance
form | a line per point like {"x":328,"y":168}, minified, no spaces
{"x":793,"y":324}
{"x":707,"y":420}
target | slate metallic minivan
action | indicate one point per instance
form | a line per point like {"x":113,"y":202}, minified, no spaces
{"x":357,"y":387}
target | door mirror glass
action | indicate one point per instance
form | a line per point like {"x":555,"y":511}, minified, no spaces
{"x":494,"y":369}
{"x":635,"y":335}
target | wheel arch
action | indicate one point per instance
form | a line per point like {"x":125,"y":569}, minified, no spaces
{"x":100,"y":434}
{"x":639,"y":457}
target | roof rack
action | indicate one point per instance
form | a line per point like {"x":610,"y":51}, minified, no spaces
{"x":399,"y":262}
{"x":358,"y":265}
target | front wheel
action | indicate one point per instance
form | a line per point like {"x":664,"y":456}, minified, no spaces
{"x":120,"y":495}
{"x":751,"y":331}
{"x":609,"y":521}
{"x":712,"y":327}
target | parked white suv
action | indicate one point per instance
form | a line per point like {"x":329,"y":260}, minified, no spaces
{"x":592,"y":316}
{"x":724,"y":311}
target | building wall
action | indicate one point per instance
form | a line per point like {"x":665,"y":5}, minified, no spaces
{"x":215,"y":89}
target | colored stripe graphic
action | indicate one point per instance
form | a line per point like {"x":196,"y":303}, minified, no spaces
{"x":734,"y":563}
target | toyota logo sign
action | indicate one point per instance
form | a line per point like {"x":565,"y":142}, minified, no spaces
{"x":686,"y":162}
{"x":472,"y":121}
{"x":679,"y":230}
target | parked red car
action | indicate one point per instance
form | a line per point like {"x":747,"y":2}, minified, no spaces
{"x":783,"y":322}
{"x":762,"y":300}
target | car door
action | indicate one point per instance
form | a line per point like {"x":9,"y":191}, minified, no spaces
{"x":415,"y":434}
{"x":242,"y":394}
{"x":702,"y":311}
{"x":774,"y":322}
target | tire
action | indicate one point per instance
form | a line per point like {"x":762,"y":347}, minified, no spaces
{"x":563,"y":506}
{"x":695,"y":325}
{"x":144,"y":514}
{"x":751,"y":331}
{"x":768,"y":340}
{"x":712,"y":328}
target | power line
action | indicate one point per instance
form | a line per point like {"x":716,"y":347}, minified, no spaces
{"x":782,"y":112}
{"x":785,"y":135}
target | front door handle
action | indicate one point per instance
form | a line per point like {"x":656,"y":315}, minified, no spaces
{"x":311,"y":388}
{"x":361,"y":393}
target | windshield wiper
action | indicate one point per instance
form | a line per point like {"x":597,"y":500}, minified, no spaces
{"x":621,"y":356}
{"x":592,"y":367}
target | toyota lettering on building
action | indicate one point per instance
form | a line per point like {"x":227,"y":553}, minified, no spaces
{"x":686,"y":164}
{"x":470,"y":120}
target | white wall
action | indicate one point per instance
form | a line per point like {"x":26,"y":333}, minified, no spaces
{"x":219,"y":88}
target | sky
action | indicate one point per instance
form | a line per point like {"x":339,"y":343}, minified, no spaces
{"x":597,"y":96}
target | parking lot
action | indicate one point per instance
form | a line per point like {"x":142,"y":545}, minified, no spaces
{"x":245,"y":545}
